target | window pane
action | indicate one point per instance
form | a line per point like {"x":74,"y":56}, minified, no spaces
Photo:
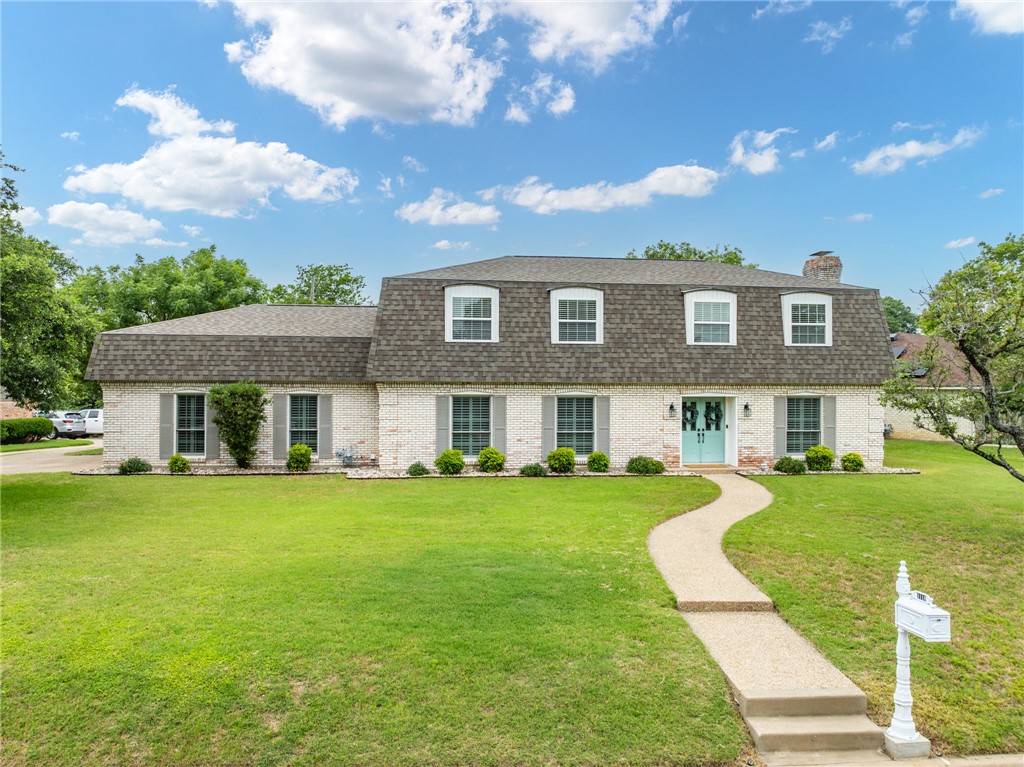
{"x":190,"y":434}
{"x":809,"y":313}
{"x":471,"y":424}
{"x":710,"y":311}
{"x":809,"y":334}
{"x":575,"y":424}
{"x":710,"y":334}
{"x":577,"y":309}
{"x":577,"y":331}
{"x":471,"y":307}
{"x":471,"y":330}
{"x":803,"y":423}
{"x":302,"y":420}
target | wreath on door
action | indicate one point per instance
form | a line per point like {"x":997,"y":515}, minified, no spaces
{"x":689,"y":416}
{"x":713,"y":416}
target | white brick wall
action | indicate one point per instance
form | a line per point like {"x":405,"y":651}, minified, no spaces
{"x":903,"y":427}
{"x":132,"y":420}
{"x":640,"y":423}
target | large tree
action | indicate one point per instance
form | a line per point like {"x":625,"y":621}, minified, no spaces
{"x":322,"y":284}
{"x":43,"y":331}
{"x":980,"y":309}
{"x":899,"y":316}
{"x":684,"y":251}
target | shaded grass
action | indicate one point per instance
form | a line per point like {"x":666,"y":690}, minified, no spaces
{"x":314,"y":620}
{"x":44,"y":445}
{"x":91,"y":451}
{"x":827,"y":551}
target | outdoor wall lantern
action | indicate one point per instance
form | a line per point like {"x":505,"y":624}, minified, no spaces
{"x":746,"y":410}
{"x":672,"y":410}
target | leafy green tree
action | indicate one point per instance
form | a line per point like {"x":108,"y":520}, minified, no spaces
{"x":980,"y":309}
{"x":322,"y":284}
{"x":684,"y":251}
{"x":43,"y":331}
{"x":899,"y":316}
{"x":241,"y":411}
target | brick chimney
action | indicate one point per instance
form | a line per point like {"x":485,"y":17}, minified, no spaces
{"x":824,"y":266}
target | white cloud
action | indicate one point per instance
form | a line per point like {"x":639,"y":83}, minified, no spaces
{"x":674,"y":180}
{"x":859,"y":218}
{"x":798,"y":153}
{"x":781,"y":8}
{"x":893,"y":157}
{"x":991,"y":17}
{"x":413,"y":164}
{"x":679,"y":23}
{"x":558,"y":97}
{"x":829,"y":142}
{"x":595,"y":35}
{"x":912,"y":126}
{"x":449,"y":245}
{"x":191,"y":231}
{"x":916,"y":14}
{"x":963,"y":242}
{"x":101,"y":225}
{"x":828,"y":34}
{"x":444,"y":208}
{"x":217,"y":175}
{"x":763,"y":157}
{"x":403,"y":62}
{"x":904,"y":40}
{"x":27,"y":216}
{"x":384,"y":187}
{"x":71,"y":135}
{"x":990,"y":193}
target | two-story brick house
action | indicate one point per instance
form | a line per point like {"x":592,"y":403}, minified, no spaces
{"x":688,"y":361}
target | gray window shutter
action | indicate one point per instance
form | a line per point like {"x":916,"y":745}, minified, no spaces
{"x":212,"y":432}
{"x":547,"y":422}
{"x":442,"y":408}
{"x":828,"y":422}
{"x":780,"y":426}
{"x":280,"y":427}
{"x":498,"y":424}
{"x":603,"y":418}
{"x":325,"y":416}
{"x":166,"y":425}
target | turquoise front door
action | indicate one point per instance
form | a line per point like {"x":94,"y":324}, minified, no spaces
{"x":703,"y":430}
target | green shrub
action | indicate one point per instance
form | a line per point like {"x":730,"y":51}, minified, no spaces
{"x":534,"y":470}
{"x":852,"y":462}
{"x":790,"y":465}
{"x":300,"y":457}
{"x":598,"y":461}
{"x":134,"y":466}
{"x":417,"y":470}
{"x":450,"y":462}
{"x":820,"y":458}
{"x":642,"y":464}
{"x":240,"y":409}
{"x":562,"y":460}
{"x":178,"y":464}
{"x":490,"y":460}
{"x":15,"y":430}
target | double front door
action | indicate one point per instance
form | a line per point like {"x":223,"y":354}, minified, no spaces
{"x":703,"y":426}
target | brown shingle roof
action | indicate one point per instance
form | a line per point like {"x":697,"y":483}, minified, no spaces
{"x":907,"y":346}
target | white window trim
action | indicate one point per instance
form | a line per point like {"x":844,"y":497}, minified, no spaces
{"x":577,"y":294}
{"x":580,"y":457}
{"x":204,"y":395}
{"x":470,"y":291}
{"x":316,"y":453}
{"x":451,"y":418}
{"x":805,"y":298}
{"x":821,"y":414}
{"x":692,"y":297}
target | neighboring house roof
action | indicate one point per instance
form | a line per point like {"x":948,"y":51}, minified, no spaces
{"x":620,"y":271}
{"x":644,"y":327}
{"x":265,"y":342}
{"x":906,"y":347}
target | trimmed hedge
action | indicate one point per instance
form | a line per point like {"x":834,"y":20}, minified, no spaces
{"x":820,"y":458}
{"x":790,"y":465}
{"x":417,"y":470}
{"x":179,"y":464}
{"x":134,"y":466}
{"x":15,"y":430}
{"x":450,"y":462}
{"x":562,"y":460}
{"x":534,"y":470}
{"x":642,"y":464}
{"x":491,"y":460}
{"x":300,"y":457}
{"x":598,"y":461}
{"x":852,"y":462}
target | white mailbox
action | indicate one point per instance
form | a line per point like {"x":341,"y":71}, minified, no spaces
{"x":916,"y":613}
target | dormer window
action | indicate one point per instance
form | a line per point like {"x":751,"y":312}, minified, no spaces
{"x":471,"y":313}
{"x":710,"y":317}
{"x":577,"y":316}
{"x":807,"y":319}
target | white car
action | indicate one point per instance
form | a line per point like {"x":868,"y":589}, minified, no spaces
{"x":66,"y":423}
{"x":93,"y":420}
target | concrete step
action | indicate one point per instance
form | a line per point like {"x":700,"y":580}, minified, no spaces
{"x":860,"y":758}
{"x":831,"y":702}
{"x":815,"y":733}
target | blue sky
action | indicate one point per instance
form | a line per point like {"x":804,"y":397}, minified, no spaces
{"x":399,"y":137}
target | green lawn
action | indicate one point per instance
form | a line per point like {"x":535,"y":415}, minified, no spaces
{"x":318,"y":621}
{"x":44,"y":445}
{"x":827,"y":551}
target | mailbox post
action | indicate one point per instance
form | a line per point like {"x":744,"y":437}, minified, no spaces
{"x":916,"y":614}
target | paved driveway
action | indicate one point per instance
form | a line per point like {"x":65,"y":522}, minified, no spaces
{"x":50,"y":459}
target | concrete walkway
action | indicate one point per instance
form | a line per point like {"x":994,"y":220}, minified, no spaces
{"x":51,"y":459}
{"x":801,"y":710}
